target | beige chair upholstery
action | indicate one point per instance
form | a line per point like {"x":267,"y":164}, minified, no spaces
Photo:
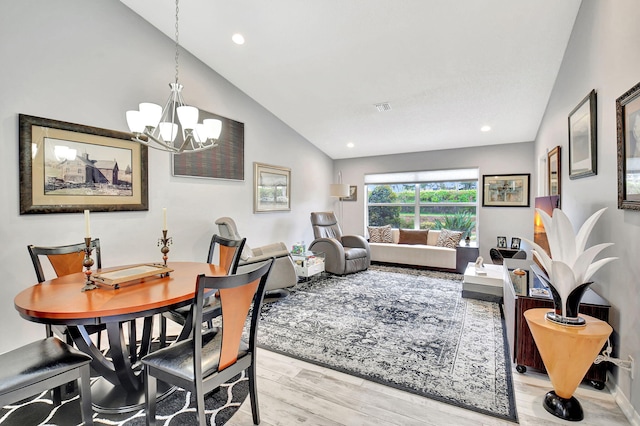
{"x":283,"y":274}
{"x":344,"y":254}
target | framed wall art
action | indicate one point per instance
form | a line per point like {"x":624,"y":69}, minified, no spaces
{"x":225,"y":161}
{"x":271,"y":188}
{"x":583,"y":155}
{"x":69,"y":168}
{"x":353,"y":194}
{"x":628,"y":135}
{"x":553,"y":171}
{"x":505,"y":190}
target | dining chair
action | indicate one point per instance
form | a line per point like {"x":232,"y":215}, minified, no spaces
{"x":43,"y":365}
{"x":66,"y":260}
{"x":229,"y":251}
{"x":208,"y":359}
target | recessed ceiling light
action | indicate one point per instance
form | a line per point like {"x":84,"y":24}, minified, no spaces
{"x":350,"y":145}
{"x":238,"y":38}
{"x":485,"y":128}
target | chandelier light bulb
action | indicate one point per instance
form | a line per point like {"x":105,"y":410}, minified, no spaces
{"x":168,"y":131}
{"x":150,"y":113}
{"x":214,"y":127}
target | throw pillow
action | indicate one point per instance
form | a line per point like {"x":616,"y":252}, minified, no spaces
{"x":449,"y":239}
{"x":412,"y":236}
{"x":380,"y":234}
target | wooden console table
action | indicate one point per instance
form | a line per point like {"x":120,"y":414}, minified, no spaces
{"x":523,"y":349}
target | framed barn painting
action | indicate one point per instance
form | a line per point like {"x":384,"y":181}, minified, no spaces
{"x":69,"y":168}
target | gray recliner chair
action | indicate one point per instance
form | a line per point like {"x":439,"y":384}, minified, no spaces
{"x":344,"y":254}
{"x":283,"y":274}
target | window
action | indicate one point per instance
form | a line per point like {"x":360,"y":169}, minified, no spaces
{"x":424,"y":200}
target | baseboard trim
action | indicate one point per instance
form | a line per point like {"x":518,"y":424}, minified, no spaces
{"x":625,"y":405}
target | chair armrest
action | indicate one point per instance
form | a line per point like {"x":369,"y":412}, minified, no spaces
{"x":356,"y":241}
{"x":333,"y":254}
{"x":263,"y":257}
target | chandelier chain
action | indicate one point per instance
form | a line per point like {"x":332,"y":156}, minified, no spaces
{"x":177,"y":45}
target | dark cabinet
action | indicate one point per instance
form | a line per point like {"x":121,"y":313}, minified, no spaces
{"x":522,"y":347}
{"x":465,"y":254}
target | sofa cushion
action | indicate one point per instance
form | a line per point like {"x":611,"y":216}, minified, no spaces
{"x":449,"y":239}
{"x":380,"y":234}
{"x":412,"y":236}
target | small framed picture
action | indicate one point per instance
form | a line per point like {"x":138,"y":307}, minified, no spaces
{"x":502,"y":242}
{"x":515,"y":243}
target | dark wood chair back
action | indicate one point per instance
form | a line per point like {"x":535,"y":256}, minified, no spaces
{"x":230,"y":251}
{"x":65,"y":260}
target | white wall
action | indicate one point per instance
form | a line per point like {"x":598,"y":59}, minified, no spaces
{"x":516,"y":158}
{"x":603,"y":55}
{"x":87,"y":63}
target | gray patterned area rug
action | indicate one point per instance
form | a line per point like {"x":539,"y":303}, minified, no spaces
{"x":178,"y":409}
{"x":405,"y":328}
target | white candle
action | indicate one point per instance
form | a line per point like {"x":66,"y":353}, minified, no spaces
{"x":164,"y":219}
{"x":87,"y":224}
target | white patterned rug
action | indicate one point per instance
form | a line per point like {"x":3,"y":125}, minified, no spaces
{"x":178,"y":409}
{"x":405,"y":328}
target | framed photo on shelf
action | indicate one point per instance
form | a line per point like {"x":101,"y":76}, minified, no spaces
{"x":271,"y":188}
{"x":69,"y":168}
{"x":502,"y":242}
{"x":515,"y":243}
{"x":583,"y":154}
{"x":553,"y":171}
{"x":505,"y":191}
{"x":628,"y":129}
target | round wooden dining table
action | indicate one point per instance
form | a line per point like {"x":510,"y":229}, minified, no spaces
{"x":60,"y":302}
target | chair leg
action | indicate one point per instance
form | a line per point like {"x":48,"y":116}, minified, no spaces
{"x":150,"y":385}
{"x":253,"y":393}
{"x":56,"y":395}
{"x":85,"y":395}
{"x":163,"y":331}
{"x":202,"y":421}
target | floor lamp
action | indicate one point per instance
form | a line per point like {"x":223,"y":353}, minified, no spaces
{"x":339,"y":190}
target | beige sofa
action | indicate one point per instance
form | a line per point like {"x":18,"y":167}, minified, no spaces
{"x":428,"y":255}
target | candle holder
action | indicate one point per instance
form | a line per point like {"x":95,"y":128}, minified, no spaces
{"x":165,"y":242}
{"x":88,"y":263}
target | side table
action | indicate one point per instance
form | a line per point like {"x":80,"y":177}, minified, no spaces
{"x":567,"y":353}
{"x":308,"y":264}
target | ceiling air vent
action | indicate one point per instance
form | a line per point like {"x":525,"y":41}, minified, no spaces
{"x":384,"y":106}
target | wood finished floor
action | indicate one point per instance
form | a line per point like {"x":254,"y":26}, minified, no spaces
{"x":292,"y":392}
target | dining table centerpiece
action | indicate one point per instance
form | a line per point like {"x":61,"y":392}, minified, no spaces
{"x":569,"y":265}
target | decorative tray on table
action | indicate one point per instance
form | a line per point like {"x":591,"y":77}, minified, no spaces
{"x":115,"y":278}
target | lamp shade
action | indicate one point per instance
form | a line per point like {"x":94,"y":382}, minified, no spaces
{"x":339,"y":190}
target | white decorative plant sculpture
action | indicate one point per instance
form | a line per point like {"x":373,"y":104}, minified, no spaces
{"x":569,"y":265}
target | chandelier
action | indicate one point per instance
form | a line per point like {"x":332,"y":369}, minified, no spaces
{"x":158,"y":128}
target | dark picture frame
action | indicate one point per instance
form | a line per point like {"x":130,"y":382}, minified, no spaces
{"x":501,"y":242}
{"x":107,"y":171}
{"x":271,"y":188}
{"x":628,"y":139}
{"x":515,"y":243}
{"x":554,"y":172}
{"x":506,"y":190}
{"x":225,"y":161}
{"x":583,"y":153}
{"x":353,"y":194}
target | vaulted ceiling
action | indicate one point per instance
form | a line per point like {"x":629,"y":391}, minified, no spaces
{"x":446,"y":68}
